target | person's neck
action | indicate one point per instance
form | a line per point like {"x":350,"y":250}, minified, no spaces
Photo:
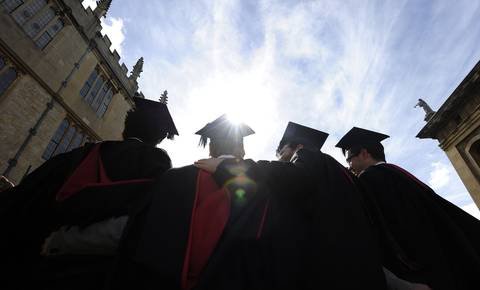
{"x":370,"y":163}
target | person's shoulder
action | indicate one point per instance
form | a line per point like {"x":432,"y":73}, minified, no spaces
{"x":152,"y":151}
{"x":248,"y":161}
{"x":376,"y":172}
{"x":183,"y":170}
{"x":180,"y":175}
{"x":307,"y":153}
{"x":159,"y":152}
{"x":79,"y":150}
{"x":385,"y":169}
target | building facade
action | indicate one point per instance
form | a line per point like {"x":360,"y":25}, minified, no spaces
{"x":456,"y":125}
{"x":60,"y":85}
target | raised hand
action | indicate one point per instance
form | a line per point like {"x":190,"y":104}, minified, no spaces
{"x":209,"y":165}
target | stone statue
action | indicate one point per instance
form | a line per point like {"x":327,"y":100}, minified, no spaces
{"x":164,"y":98}
{"x":428,"y":111}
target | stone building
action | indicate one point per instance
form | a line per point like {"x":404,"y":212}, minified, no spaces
{"x":456,"y":125}
{"x":60,"y":85}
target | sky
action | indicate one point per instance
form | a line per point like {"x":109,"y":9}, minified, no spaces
{"x":330,"y":65}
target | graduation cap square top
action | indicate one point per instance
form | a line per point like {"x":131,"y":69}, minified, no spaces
{"x":223,"y":128}
{"x":360,"y":137}
{"x":158,"y":112}
{"x":310,"y":138}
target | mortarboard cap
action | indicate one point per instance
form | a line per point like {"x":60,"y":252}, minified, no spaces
{"x":360,"y":137}
{"x":310,"y":138}
{"x":157,"y":112}
{"x":223,"y":128}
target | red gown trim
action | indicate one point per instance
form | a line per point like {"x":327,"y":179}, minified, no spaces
{"x":262,"y":221}
{"x":90,"y":172}
{"x":210,"y":214}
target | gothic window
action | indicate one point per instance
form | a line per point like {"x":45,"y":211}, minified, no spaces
{"x":93,"y":93}
{"x":88,"y":84}
{"x":66,"y":140}
{"x":37,"y":18}
{"x":67,"y":137}
{"x":28,"y":10}
{"x":33,"y":28}
{"x":104,"y":106}
{"x":49,"y":34}
{"x":97,"y":92}
{"x":8,"y":75}
{"x":475,"y":151}
{"x":11,"y":5}
{"x":6,"y":79}
{"x":56,"y":139}
{"x":77,"y":140}
{"x":99,"y":98}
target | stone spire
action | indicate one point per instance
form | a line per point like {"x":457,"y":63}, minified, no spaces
{"x":137,"y":69}
{"x":102,"y":8}
{"x":164,"y":98}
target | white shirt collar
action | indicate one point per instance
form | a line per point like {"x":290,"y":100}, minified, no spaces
{"x":134,"y":138}
{"x":227,"y":156}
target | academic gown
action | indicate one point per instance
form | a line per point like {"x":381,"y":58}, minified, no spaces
{"x":31,"y":211}
{"x":157,"y":250}
{"x":316,"y":233}
{"x":424,"y":238}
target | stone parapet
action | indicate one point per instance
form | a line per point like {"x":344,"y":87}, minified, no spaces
{"x":89,"y":24}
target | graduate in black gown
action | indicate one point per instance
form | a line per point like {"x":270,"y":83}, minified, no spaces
{"x":74,"y":191}
{"x":191,"y":222}
{"x":424,"y":238}
{"x":316,"y":233}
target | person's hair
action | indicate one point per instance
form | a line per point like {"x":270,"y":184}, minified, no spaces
{"x":290,"y":143}
{"x":374,"y":149}
{"x":226,"y":146}
{"x":144,"y":126}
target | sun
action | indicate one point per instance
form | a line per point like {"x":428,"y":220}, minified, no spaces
{"x":235,"y":118}
{"x":244,"y":97}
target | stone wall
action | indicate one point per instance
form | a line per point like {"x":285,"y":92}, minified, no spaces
{"x":455,"y":138}
{"x":466,"y":174}
{"x":20,"y":108}
{"x":68,"y":56}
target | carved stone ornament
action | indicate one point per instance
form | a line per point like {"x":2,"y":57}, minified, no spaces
{"x":428,"y":110}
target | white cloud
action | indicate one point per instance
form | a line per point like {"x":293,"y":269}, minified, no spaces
{"x":472,"y":209}
{"x":327,"y":64}
{"x":114,"y":29}
{"x":440,"y":176}
{"x":90,"y":3}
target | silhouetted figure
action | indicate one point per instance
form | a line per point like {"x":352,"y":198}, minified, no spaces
{"x":424,"y":238}
{"x":73,"y":208}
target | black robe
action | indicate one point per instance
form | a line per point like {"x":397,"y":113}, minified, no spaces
{"x":424,"y":238}
{"x":153,"y":250}
{"x":29,"y":211}
{"x":316,"y":233}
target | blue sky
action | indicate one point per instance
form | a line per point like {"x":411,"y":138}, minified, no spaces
{"x":330,"y":65}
